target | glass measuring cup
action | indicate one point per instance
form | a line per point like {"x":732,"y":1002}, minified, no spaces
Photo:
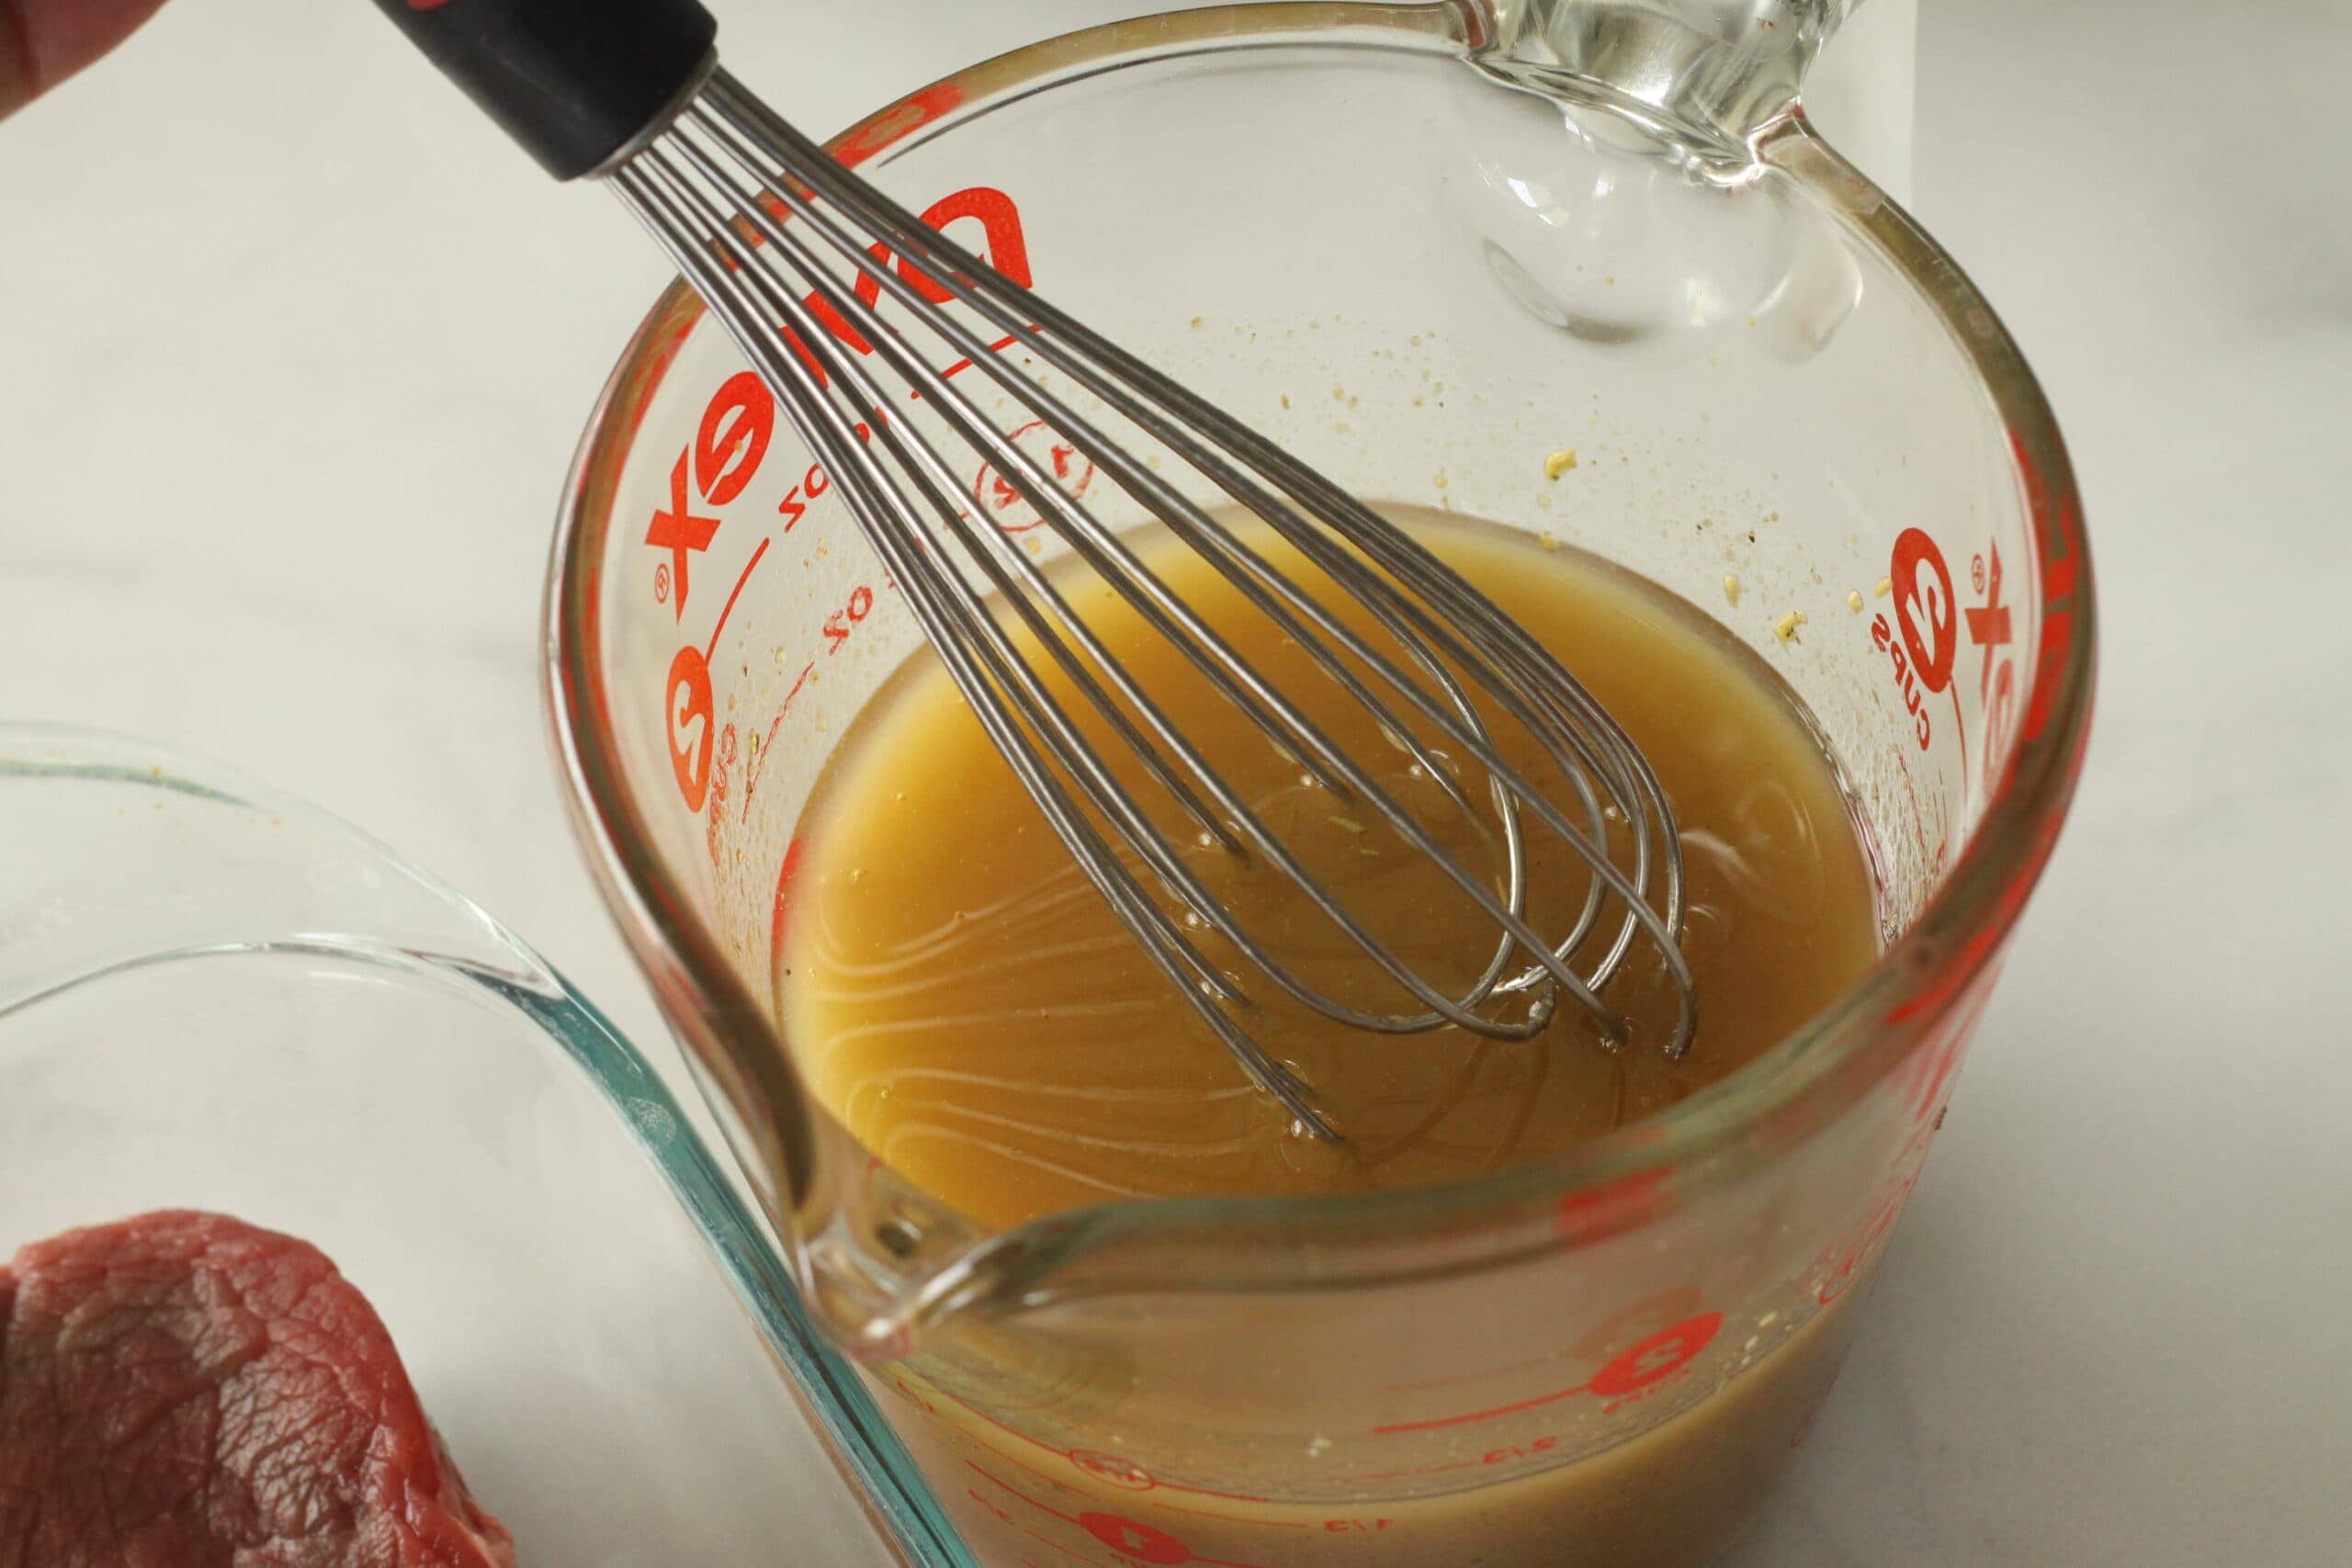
{"x":1426,"y":246}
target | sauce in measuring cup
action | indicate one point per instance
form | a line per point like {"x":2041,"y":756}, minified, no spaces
{"x":968,"y":1006}
{"x":1664,"y":1499}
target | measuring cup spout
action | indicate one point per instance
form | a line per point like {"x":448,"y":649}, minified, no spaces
{"x":1719,"y":70}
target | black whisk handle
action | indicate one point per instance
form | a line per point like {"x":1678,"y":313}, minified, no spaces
{"x":576,"y":82}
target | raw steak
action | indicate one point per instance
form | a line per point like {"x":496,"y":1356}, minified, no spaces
{"x":184,"y":1390}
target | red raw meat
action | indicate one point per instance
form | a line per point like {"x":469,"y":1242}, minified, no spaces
{"x":185,"y":1391}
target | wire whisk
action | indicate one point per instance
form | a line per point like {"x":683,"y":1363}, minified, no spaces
{"x":796,"y":257}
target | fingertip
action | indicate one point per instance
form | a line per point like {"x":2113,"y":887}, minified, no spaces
{"x":44,"y":41}
{"x":16,"y":60}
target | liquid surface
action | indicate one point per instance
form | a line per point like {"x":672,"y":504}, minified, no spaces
{"x":963,"y":999}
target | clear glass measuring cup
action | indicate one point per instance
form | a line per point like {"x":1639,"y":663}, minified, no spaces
{"x":1427,"y":246}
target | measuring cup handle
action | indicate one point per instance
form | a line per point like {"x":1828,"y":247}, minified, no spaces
{"x":1724,"y":68}
{"x":578,"y":83}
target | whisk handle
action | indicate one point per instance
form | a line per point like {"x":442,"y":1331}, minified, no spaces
{"x":574,"y":80}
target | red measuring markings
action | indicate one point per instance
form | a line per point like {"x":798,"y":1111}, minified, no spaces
{"x":999,"y":346}
{"x":733,"y":439}
{"x":1007,"y":250}
{"x":687,"y":701}
{"x":1611,"y":1207}
{"x":1925,"y":607}
{"x":1112,"y":1471}
{"x":739,"y":421}
{"x":1421,"y":1470}
{"x":868,"y":137}
{"x":2057,"y":631}
{"x":688,"y":715}
{"x":836,"y":630}
{"x":1925,"y":637}
{"x":1004,"y":1516}
{"x":1601,"y":1341}
{"x":2060,"y":528}
{"x":974,"y":1494}
{"x":1518,"y":1451}
{"x":1638,"y":1320}
{"x":1988,"y":625}
{"x":841,"y":622}
{"x":1644,"y":1366}
{"x":1073,"y":1456}
{"x":912,"y":1397}
{"x":713,"y":468}
{"x":1971,"y":962}
{"x":1002,"y":501}
{"x":814,"y":483}
{"x":1989,"y":628}
{"x":818,"y":480}
{"x":1928,"y":622}
{"x":1131,"y":1538}
{"x":767,"y":742}
{"x":681,"y":532}
{"x":1657,"y":1357}
{"x":1140,"y":1542}
{"x":1004,"y":245}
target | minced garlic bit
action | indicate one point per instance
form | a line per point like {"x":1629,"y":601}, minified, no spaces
{"x":1731,"y":591}
{"x":1785,"y":629}
{"x":1885,"y":586}
{"x":1286,"y":400}
{"x":1547,"y":541}
{"x":1854,"y":603}
{"x":1559,"y":462}
{"x":1196,"y":321}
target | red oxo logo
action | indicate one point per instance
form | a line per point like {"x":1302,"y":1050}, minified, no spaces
{"x":725,"y":455}
{"x":737,"y":427}
{"x":1924,"y":608}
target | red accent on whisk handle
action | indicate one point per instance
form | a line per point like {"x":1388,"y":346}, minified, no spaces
{"x":574,"y":80}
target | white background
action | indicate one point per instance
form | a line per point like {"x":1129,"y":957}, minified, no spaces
{"x":293,"y":354}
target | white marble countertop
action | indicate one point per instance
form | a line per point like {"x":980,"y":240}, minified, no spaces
{"x":278,"y":453}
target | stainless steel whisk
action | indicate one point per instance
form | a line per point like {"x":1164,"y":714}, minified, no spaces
{"x":771,"y":231}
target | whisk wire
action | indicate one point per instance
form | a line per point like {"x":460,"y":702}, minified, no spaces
{"x":717,"y":188}
{"x":1450,"y":1009}
{"x":954,"y":271}
{"x":950,"y":623}
{"x":632,"y":94}
{"x":1146,"y":839}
